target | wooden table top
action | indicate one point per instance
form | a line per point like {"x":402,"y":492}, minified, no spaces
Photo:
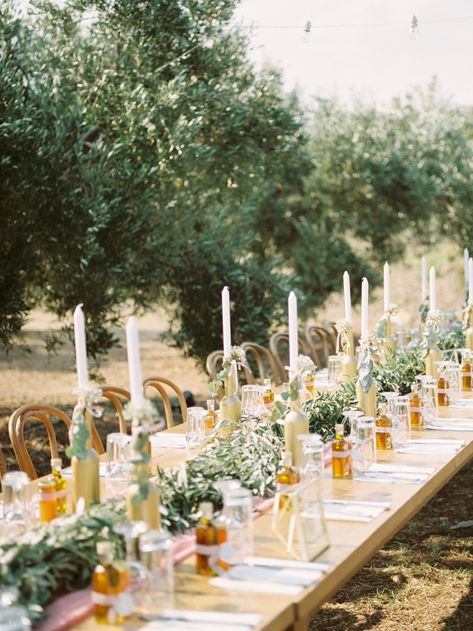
{"x":352,"y":544}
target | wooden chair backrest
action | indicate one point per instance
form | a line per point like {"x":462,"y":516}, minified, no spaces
{"x":117,"y":396}
{"x":282,"y":360}
{"x":43,"y":414}
{"x":3,"y":465}
{"x":265,"y":363}
{"x":320,"y":342}
{"x":159,"y":384}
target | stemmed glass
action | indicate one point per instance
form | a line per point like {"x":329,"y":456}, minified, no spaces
{"x":195,"y":429}
{"x":364,"y":453}
{"x":402,"y":433}
{"x":118,"y":464}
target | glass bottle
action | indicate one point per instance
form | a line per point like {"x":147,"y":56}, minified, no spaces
{"x":384,"y":429}
{"x":61,"y":486}
{"x":295,"y":424}
{"x":110,"y":588}
{"x":211,"y":417}
{"x":415,"y":407}
{"x":466,"y":372}
{"x":442,"y":386}
{"x":268,"y":394}
{"x":341,"y":456}
{"x":206,"y":536}
{"x":47,"y":499}
{"x":286,"y":477}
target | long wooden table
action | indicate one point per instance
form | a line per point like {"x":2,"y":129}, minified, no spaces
{"x":352,"y":544}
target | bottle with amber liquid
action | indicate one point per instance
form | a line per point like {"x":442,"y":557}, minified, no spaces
{"x":211,"y":417}
{"x":268,"y":394}
{"x":415,"y":408}
{"x":61,"y":486}
{"x":442,"y":388}
{"x":467,"y":381}
{"x":384,"y":430}
{"x":309,"y":382}
{"x":286,"y":478}
{"x":111,"y":598}
{"x":47,"y":499}
{"x":208,"y":537}
{"x":341,"y":454}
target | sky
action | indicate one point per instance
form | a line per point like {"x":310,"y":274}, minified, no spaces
{"x":375,"y":61}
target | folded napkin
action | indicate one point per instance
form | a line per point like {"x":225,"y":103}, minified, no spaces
{"x":255,"y":587}
{"x":287,"y":563}
{"x":424,"y":448}
{"x":168,"y":439}
{"x":283,"y":576}
{"x":449,"y":427}
{"x":188,"y":620}
{"x":341,"y":510}
{"x":394,"y":474}
{"x":400,"y":468}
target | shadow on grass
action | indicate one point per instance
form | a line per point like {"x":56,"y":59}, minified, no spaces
{"x":337,"y":618}
{"x":462,"y":618}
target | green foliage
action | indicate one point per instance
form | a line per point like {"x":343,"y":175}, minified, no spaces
{"x":455,"y":338}
{"x":398,"y":372}
{"x":325,"y":410}
{"x":49,"y":560}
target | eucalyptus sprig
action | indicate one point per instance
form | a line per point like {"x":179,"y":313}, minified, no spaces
{"x":325,"y":410}
{"x":237,"y":355}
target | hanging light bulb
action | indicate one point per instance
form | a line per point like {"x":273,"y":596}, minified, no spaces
{"x":413,"y":29}
{"x":307,"y":27}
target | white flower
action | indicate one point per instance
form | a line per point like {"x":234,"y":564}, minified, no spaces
{"x":142,"y":413}
{"x":304,"y":364}
{"x":237,"y":354}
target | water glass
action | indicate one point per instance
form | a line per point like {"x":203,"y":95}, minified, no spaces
{"x":390,"y":398}
{"x":158,"y":585}
{"x":195,"y":428}
{"x":364,"y":451}
{"x":312,"y":457}
{"x":238,"y":517}
{"x":401,"y":421}
{"x":335,"y":363}
{"x":251,"y":399}
{"x":17,"y":508}
{"x":13,"y":617}
{"x":118,"y":470}
{"x":352,"y":415}
{"x":453,"y":376}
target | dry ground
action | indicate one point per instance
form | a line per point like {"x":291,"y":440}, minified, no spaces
{"x":421,"y":581}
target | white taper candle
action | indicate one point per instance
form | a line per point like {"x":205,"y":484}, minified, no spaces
{"x":470,"y":281}
{"x":466,"y":258}
{"x":227,"y":335}
{"x":423,"y":279}
{"x":364,"y":309}
{"x":81,"y":348}
{"x":347,"y":297}
{"x":432,"y":291}
{"x":134,"y":362}
{"x":387,"y":287}
{"x":293,"y":333}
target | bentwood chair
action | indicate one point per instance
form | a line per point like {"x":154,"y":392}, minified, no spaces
{"x":43,"y":414}
{"x":214,"y":365}
{"x":3,"y":465}
{"x":118,"y":397}
{"x":277,"y":343}
{"x":159,"y":384}
{"x":320,"y":342}
{"x":263,"y":360}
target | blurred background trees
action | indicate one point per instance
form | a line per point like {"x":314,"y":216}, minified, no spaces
{"x":144,"y":161}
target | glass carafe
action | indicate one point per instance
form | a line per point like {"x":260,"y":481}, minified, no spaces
{"x":17,"y":508}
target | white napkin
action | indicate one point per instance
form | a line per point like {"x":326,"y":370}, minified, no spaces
{"x":253,"y":586}
{"x":188,"y":620}
{"x":454,"y":442}
{"x":168,"y":439}
{"x":424,"y":448}
{"x":400,"y":468}
{"x":453,"y":427}
{"x":283,"y":576}
{"x":286,"y":563}
{"x":338,"y":510}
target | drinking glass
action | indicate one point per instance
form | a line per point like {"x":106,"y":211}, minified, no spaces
{"x":364,"y":452}
{"x":429,"y":397}
{"x":13,"y":617}
{"x":335,"y":368}
{"x":453,"y":376}
{"x":17,"y":508}
{"x":402,"y":418}
{"x":238,"y":518}
{"x":195,"y":428}
{"x":131,"y":532}
{"x":312,"y":456}
{"x":118,"y":466}
{"x":352,"y":415}
{"x":251,"y":399}
{"x":390,"y":398}
{"x":158,"y":585}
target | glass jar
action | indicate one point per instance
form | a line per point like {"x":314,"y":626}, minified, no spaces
{"x":47,"y":499}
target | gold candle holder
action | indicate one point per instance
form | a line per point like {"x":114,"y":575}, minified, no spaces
{"x":230,"y":405}
{"x":434,"y":355}
{"x":144,"y":509}
{"x":367,"y":400}
{"x":85,"y":479}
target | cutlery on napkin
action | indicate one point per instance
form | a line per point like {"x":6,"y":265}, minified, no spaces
{"x":168,"y":439}
{"x":202,"y":620}
{"x":344,"y":510}
{"x":254,"y":586}
{"x":284,"y":576}
{"x":454,"y":427}
{"x":286,"y":563}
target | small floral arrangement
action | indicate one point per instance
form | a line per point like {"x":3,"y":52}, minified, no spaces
{"x":304,"y":364}
{"x":79,"y":434}
{"x":142,"y":414}
{"x":238,"y":357}
{"x":342,"y":327}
